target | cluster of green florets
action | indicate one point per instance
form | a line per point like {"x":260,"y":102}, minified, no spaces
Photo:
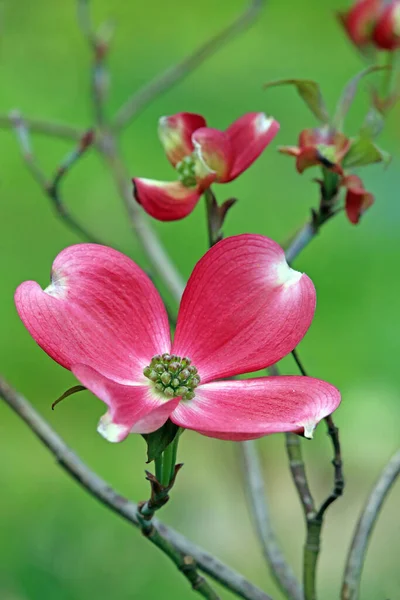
{"x":173,"y":376}
{"x":187,"y":172}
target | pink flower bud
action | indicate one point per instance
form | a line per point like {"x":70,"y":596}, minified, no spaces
{"x":386,"y":34}
{"x":359,"y":22}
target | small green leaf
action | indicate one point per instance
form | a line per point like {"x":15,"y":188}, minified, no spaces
{"x":311,"y":94}
{"x":364,"y":152}
{"x":72,"y":390}
{"x":158,"y":440}
{"x":348,"y":95}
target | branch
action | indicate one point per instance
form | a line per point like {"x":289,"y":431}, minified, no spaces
{"x":53,"y":129}
{"x":297,"y":468}
{"x":365,"y":525}
{"x":161,"y":83}
{"x":101,"y":490}
{"x":185,"y":563}
{"x":338,"y":481}
{"x":259,"y":510}
{"x":153,"y":248}
{"x":51,"y":188}
{"x":99,"y":43}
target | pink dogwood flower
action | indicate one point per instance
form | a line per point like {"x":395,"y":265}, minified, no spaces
{"x":243,"y":309}
{"x":201,"y":155}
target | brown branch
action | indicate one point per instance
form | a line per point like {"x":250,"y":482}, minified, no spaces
{"x":103,"y":492}
{"x":338,"y":481}
{"x":51,"y":188}
{"x":41,"y":126}
{"x":99,"y":44}
{"x":153,"y":248}
{"x":161,"y":83}
{"x":365,"y":525}
{"x":259,"y":511}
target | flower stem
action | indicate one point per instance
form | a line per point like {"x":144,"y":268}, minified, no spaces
{"x":166,"y":469}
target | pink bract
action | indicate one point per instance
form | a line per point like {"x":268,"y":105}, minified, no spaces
{"x":242,"y":310}
{"x":201,"y":156}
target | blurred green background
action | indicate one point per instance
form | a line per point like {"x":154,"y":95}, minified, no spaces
{"x":56,"y":541}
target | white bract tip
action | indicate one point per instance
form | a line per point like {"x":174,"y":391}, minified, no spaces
{"x":309,"y":430}
{"x":57,"y":287}
{"x":286,"y":275}
{"x":263,"y":123}
{"x":112,"y":432}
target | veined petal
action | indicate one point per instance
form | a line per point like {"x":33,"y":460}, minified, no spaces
{"x":243,"y":308}
{"x":100,"y":309}
{"x":249,"y":136}
{"x":251,"y":408}
{"x":165,"y":201}
{"x":214,"y":148}
{"x":131,"y":408}
{"x":175,"y":133}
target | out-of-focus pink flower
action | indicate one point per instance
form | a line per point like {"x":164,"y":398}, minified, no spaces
{"x":387,"y":30}
{"x":201,"y":156}
{"x":373,"y":22}
{"x":360,"y":20}
{"x":243,"y":309}
{"x":358,"y":200}
{"x":319,"y":146}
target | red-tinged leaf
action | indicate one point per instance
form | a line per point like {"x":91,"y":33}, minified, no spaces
{"x":310,"y":92}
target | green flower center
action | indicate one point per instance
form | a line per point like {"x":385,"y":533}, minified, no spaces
{"x":173,"y":376}
{"x":187,"y":171}
{"x":327,"y":152}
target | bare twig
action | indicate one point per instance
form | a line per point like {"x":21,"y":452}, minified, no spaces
{"x":176,"y":73}
{"x":41,"y":126}
{"x":99,"y":44}
{"x":255,"y":488}
{"x":314,"y":518}
{"x":365,"y":525}
{"x":101,"y":490}
{"x":51,"y":188}
{"x":338,"y":482}
{"x":154,"y":250}
{"x":297,"y":468}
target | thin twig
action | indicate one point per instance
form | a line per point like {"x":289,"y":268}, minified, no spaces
{"x":101,"y":490}
{"x":161,"y":83}
{"x":259,"y":511}
{"x":365,"y":525}
{"x":297,"y":468}
{"x":99,"y":45}
{"x":338,"y":481}
{"x":41,"y":126}
{"x":185,"y":563}
{"x":154,"y":250}
{"x":51,"y":188}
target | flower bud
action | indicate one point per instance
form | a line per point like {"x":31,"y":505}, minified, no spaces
{"x":359,"y":21}
{"x":387,"y":30}
{"x":166,"y":378}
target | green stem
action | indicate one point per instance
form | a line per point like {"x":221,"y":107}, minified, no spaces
{"x":311,"y":553}
{"x":168,"y":460}
{"x":210,"y":209}
{"x":158,"y":463}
